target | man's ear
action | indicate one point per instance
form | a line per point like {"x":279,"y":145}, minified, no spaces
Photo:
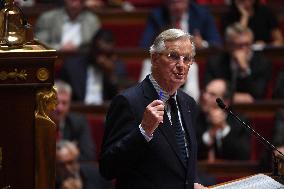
{"x":154,"y":60}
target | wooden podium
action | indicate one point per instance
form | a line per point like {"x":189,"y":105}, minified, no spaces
{"x":27,"y":135}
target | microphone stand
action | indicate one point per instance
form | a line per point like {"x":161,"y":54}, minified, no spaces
{"x":256,"y":134}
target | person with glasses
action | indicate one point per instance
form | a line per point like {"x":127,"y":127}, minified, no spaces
{"x":247,"y":71}
{"x":259,"y":18}
{"x":149,"y":140}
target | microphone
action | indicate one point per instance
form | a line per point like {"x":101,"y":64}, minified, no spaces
{"x":221,"y":104}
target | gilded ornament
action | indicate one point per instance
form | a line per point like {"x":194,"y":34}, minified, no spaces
{"x":13,"y":75}
{"x":42,"y":74}
{"x":46,"y":102}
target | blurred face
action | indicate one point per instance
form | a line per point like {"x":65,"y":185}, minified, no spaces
{"x":170,"y":68}
{"x":213,"y":90}
{"x":177,"y":7}
{"x":240,"y":42}
{"x":246,"y":4}
{"x":63,"y":106}
{"x":66,"y":163}
{"x":74,"y":6}
{"x":103,"y":48}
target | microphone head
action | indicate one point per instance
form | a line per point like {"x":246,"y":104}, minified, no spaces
{"x":220,"y":103}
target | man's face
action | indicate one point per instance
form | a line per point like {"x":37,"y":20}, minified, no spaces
{"x":241,"y":42}
{"x":246,"y":4}
{"x":214,"y":89}
{"x":63,"y":106}
{"x":177,"y":7}
{"x":74,"y":6}
{"x":66,"y":163}
{"x":170,"y":68}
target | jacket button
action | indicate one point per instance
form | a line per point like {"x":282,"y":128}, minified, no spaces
{"x":186,"y":182}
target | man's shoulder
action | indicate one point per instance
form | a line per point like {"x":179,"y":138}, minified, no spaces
{"x":89,"y":15}
{"x":132,"y":91}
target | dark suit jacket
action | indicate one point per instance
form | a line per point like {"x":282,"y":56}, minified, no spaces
{"x":235,"y":146}
{"x":254,"y":84}
{"x":77,"y":129}
{"x":134,"y":162}
{"x":74,"y":72}
{"x":199,"y":19}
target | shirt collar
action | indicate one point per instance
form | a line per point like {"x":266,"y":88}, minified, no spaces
{"x":163,"y":95}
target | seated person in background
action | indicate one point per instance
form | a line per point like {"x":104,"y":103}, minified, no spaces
{"x":96,"y":78}
{"x":262,"y":21}
{"x":185,"y":15}
{"x":71,"y":126}
{"x":94,"y":4}
{"x":266,"y":161}
{"x":220,"y":136}
{"x":247,"y":71}
{"x":69,"y":28}
{"x":278,"y":129}
{"x":70,"y":174}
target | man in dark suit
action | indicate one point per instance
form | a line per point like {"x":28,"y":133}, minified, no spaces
{"x":186,"y":15}
{"x":149,"y":139}
{"x":247,"y":71}
{"x":72,"y":126}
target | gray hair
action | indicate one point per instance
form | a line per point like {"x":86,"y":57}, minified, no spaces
{"x":237,"y":29}
{"x":69,"y":145}
{"x":169,"y":35}
{"x":62,"y":86}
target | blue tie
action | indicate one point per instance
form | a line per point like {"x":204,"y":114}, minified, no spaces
{"x":180,"y":135}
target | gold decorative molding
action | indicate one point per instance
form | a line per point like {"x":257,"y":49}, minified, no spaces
{"x":7,"y":187}
{"x":46,"y":101}
{"x":13,"y":75}
{"x":45,"y":138}
{"x":42,"y":74}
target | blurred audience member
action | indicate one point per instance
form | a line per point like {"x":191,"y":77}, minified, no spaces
{"x":69,"y":28}
{"x":248,"y":72}
{"x":96,"y":78}
{"x":70,"y":174}
{"x":185,"y":15}
{"x":266,"y":161}
{"x":93,"y":4}
{"x":263,"y":23}
{"x":220,"y":136}
{"x":71,"y":126}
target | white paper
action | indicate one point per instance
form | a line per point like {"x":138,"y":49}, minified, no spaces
{"x":259,"y":181}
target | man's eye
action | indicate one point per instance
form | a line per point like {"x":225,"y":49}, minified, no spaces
{"x":174,"y":56}
{"x":186,"y":59}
